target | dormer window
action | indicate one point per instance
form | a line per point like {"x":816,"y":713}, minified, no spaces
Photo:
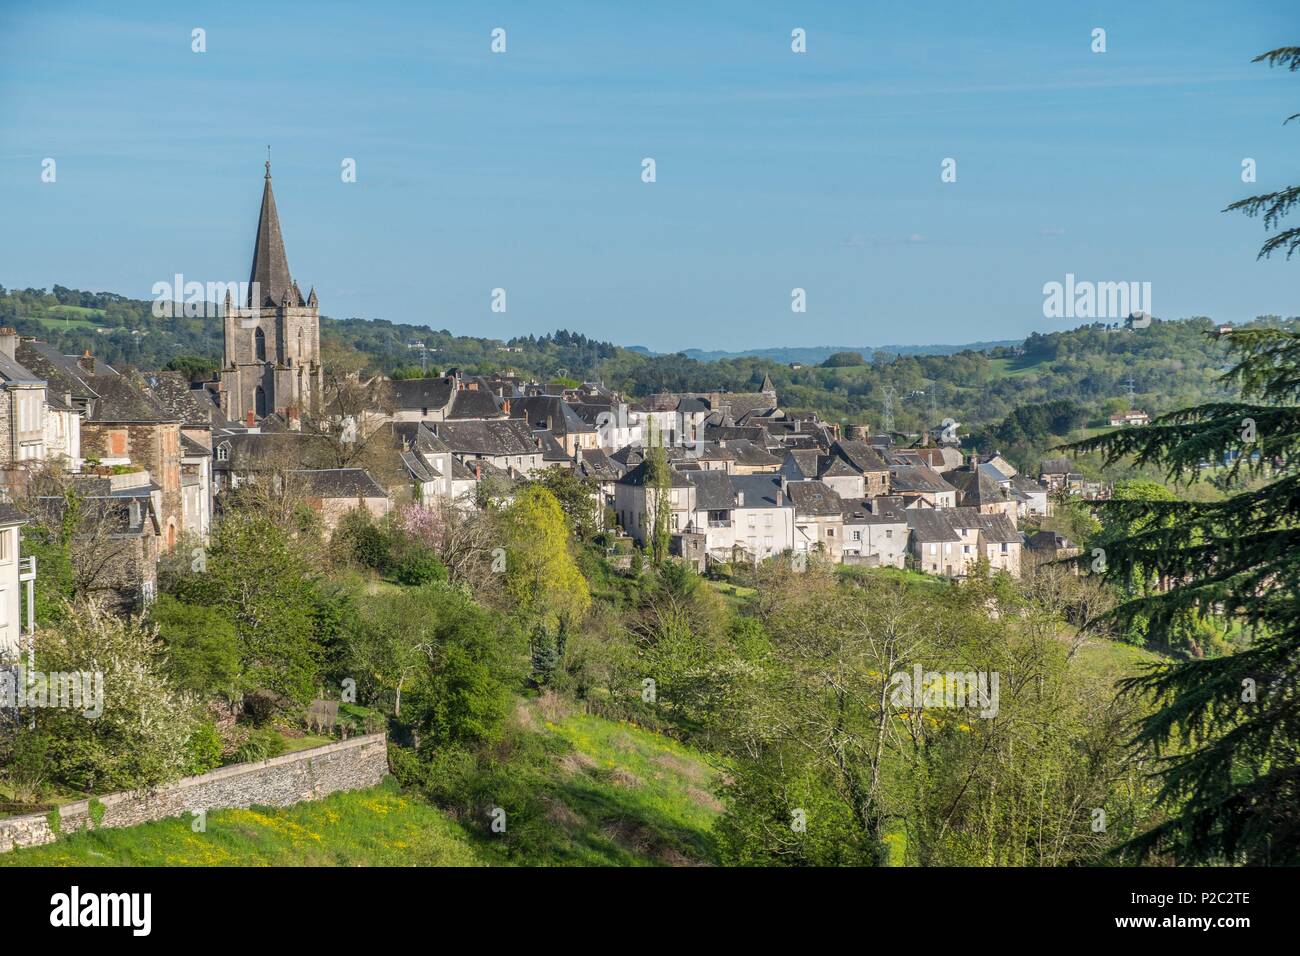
{"x":223,"y":451}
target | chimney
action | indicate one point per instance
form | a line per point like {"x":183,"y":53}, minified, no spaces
{"x":478,"y":472}
{"x":974,"y":462}
{"x":295,"y":420}
{"x":252,"y":420}
{"x":87,"y":362}
{"x":505,"y":406}
{"x":740,"y":499}
{"x":8,"y":341}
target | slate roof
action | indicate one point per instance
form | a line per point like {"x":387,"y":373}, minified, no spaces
{"x":10,"y":516}
{"x":552,"y":450}
{"x":418,"y":468}
{"x":250,"y":451}
{"x":860,"y":455}
{"x":549,"y":412}
{"x":998,"y":529}
{"x":194,"y":407}
{"x":713,"y":491}
{"x":418,"y":436}
{"x":412,"y":393}
{"x":975,"y":488}
{"x":1049,"y":541}
{"x":338,"y":483}
{"x":814,"y":498}
{"x":12,"y":371}
{"x":270,"y":265}
{"x":884,"y":509}
{"x":760,"y":491}
{"x":594,"y":463}
{"x":802,"y":462}
{"x":751,"y":455}
{"x":469,"y":403}
{"x":637,"y":477}
{"x":490,"y":438}
{"x":1056,"y":466}
{"x":918,"y":479}
{"x":930,"y":525}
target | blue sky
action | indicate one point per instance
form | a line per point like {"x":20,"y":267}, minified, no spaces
{"x":775,"y":170}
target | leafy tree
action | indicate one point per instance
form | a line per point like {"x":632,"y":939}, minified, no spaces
{"x":262,"y":581}
{"x":202,"y":649}
{"x":543,"y":579}
{"x":844,"y":360}
{"x":141,"y":737}
{"x":578,"y":497}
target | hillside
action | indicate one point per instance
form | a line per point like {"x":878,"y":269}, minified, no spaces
{"x":612,"y":794}
{"x":1098,"y":370}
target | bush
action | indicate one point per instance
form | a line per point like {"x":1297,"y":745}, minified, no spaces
{"x":420,"y":566}
{"x":262,"y":744}
{"x":203,"y":750}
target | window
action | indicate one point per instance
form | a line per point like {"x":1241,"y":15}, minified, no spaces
{"x":889,"y":532}
{"x":857,"y":536}
{"x":933,"y":549}
{"x":259,"y":345}
{"x":4,"y":545}
{"x":223,"y":451}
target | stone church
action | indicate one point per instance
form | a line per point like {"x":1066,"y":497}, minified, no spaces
{"x":272,"y":339}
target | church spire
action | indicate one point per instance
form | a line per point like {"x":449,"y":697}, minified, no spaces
{"x":270,"y":267}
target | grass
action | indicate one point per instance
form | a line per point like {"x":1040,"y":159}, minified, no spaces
{"x":612,"y":794}
{"x":636,"y":796}
{"x":377,"y":827}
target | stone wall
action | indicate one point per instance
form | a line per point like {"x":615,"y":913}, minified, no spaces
{"x":279,"y":782}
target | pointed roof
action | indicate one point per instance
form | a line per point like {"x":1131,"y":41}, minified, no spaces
{"x":767,"y":385}
{"x":270,"y":267}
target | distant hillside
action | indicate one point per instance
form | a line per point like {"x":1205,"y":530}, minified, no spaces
{"x":816,"y":354}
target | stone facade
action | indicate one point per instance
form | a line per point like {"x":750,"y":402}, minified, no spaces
{"x":279,"y":782}
{"x":154,"y":446}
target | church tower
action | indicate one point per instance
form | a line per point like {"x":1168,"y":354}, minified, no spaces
{"x":272,"y":339}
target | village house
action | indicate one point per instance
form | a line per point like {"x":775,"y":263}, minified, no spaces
{"x":818,"y":517}
{"x":504,"y":443}
{"x":333,"y":492}
{"x":14,"y":574}
{"x":875,"y":532}
{"x":1131,"y":417}
{"x":22,"y":408}
{"x":123,"y":426}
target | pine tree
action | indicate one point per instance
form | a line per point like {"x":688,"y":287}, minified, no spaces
{"x":1225,"y":732}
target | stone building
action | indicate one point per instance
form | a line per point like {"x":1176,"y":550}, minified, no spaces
{"x":272,"y":339}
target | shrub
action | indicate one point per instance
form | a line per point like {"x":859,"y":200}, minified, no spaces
{"x":203,"y":750}
{"x":420,"y":566}
{"x":262,"y":744}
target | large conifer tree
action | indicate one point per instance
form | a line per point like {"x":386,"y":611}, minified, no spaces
{"x":1225,"y":732}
